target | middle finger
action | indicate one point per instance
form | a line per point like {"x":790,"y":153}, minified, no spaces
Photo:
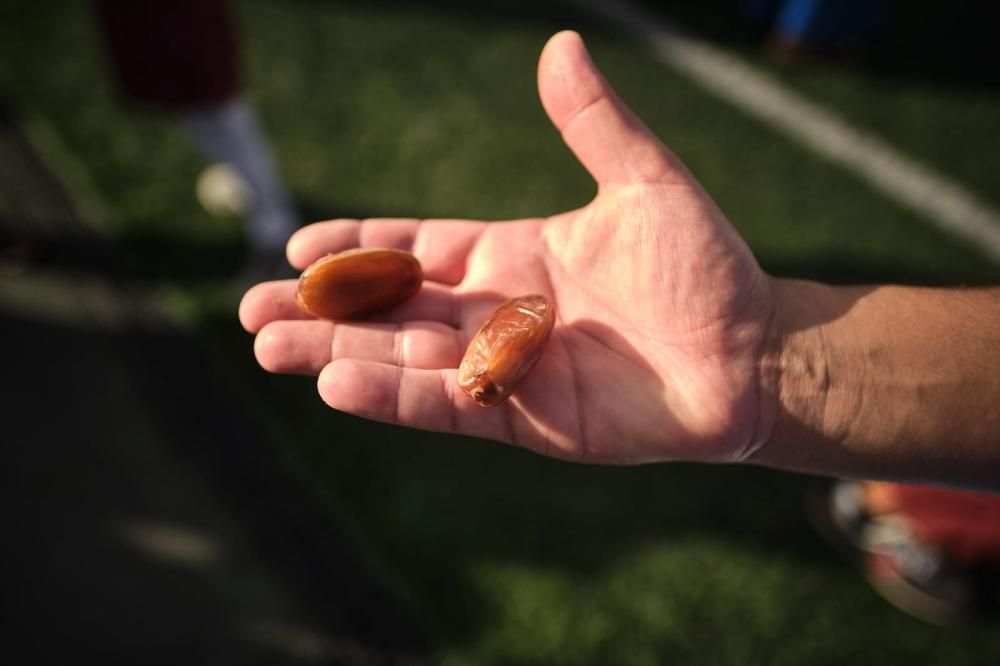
{"x":305,"y":347}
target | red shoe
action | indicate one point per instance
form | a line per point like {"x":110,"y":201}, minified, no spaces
{"x":915,"y":574}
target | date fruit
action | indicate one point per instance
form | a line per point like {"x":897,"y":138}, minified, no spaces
{"x":359,"y":282}
{"x":506,"y":348}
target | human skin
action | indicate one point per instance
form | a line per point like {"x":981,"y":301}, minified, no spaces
{"x":671,"y":343}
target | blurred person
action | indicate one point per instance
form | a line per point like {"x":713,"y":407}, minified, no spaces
{"x":817,"y":26}
{"x":671,"y":342}
{"x":182,"y":57}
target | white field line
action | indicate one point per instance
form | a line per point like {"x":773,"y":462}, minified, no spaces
{"x":936,"y":197}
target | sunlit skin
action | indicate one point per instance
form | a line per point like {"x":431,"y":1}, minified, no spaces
{"x":662,"y":309}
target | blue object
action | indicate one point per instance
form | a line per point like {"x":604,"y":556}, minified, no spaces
{"x":829,"y":23}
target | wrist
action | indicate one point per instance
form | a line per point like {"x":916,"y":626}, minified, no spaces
{"x":800,"y":372}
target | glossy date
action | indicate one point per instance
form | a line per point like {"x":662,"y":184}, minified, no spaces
{"x":506,"y":348}
{"x":357,"y":283}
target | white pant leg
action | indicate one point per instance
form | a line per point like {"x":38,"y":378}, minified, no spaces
{"x":230,"y":133}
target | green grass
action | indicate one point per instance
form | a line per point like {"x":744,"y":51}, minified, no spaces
{"x":502,"y":557}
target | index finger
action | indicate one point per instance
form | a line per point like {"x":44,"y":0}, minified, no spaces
{"x":441,"y":246}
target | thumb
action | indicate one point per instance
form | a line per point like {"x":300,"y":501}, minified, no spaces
{"x":604,"y":134}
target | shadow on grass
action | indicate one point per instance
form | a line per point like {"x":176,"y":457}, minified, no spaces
{"x":146,"y":255}
{"x":517,"y":11}
{"x":920,"y":41}
{"x":847,"y":269}
{"x":948,"y":46}
{"x":125,"y":430}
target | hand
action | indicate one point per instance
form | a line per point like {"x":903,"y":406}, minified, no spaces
{"x":663,"y":313}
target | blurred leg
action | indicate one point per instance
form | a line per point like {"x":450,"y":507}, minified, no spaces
{"x":230,"y":133}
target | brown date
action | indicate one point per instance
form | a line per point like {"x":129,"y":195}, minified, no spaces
{"x":359,"y":282}
{"x":506,"y":348}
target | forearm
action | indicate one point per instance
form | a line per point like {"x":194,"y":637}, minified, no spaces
{"x":886,"y":382}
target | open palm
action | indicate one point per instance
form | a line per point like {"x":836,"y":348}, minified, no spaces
{"x":663,"y":313}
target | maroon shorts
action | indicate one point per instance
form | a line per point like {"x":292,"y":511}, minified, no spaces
{"x":171,"y":54}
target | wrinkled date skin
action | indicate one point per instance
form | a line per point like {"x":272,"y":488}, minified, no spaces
{"x":506,"y":348}
{"x":357,"y":283}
